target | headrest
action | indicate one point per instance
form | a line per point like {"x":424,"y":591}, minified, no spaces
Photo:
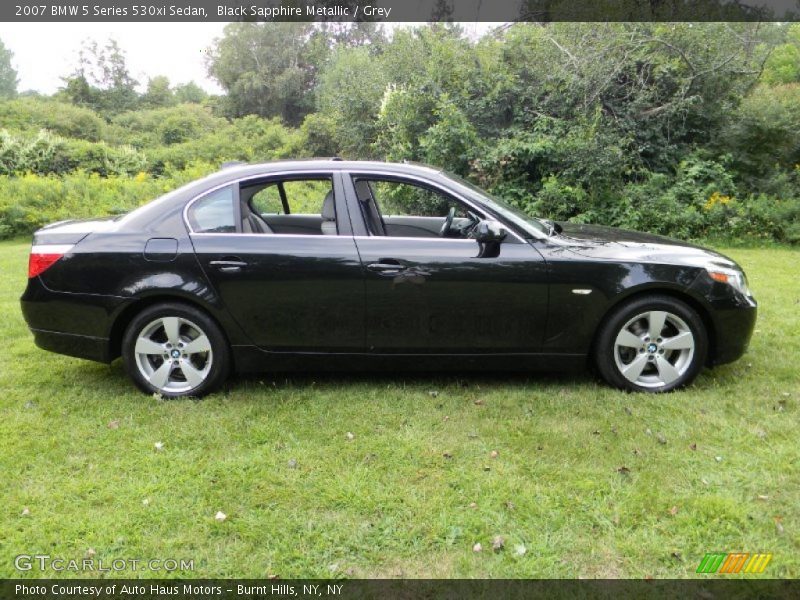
{"x":328,"y":208}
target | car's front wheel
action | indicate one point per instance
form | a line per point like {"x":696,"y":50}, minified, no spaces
{"x":652,"y":344}
{"x":175,"y":350}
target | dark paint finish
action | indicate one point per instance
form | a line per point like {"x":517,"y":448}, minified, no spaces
{"x":437,"y":295}
{"x":358,"y":301}
{"x":288,"y":293}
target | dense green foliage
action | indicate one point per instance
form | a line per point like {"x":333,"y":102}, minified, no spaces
{"x":29,"y":201}
{"x":691,"y":130}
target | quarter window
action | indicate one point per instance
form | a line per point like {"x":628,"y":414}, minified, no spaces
{"x":213,"y":213}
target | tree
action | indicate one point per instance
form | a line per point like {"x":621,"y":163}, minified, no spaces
{"x":269,"y":69}
{"x":8,"y":75}
{"x":102,"y":80}
{"x":189,"y":93}
{"x":158,"y":93}
{"x":783,"y":64}
{"x":349,"y":96}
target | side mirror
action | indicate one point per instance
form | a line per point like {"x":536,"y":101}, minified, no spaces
{"x":489,"y":232}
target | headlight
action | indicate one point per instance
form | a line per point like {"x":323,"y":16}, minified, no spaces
{"x":732,"y":277}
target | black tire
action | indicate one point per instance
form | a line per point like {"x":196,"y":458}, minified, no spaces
{"x":664,"y":369}
{"x":190,"y":373}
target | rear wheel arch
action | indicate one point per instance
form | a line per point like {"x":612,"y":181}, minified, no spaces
{"x":176,"y":349}
{"x":129,"y":313}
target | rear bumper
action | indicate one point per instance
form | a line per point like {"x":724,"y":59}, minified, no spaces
{"x":80,"y":346}
{"x":73,"y":324}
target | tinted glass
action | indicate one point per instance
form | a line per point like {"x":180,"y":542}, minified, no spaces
{"x":267,"y":201}
{"x":304,"y":197}
{"x":409,"y":200}
{"x":213,"y":213}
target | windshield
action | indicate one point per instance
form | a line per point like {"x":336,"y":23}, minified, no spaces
{"x":530,"y":225}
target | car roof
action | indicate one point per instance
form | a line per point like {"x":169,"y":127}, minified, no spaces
{"x":309,"y":164}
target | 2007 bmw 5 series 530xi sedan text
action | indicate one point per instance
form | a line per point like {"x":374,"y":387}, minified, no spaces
{"x":328,"y":264}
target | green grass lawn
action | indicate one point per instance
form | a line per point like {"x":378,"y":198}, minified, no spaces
{"x":713,"y":468}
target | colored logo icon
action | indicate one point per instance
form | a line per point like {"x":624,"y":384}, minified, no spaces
{"x":734,"y":562}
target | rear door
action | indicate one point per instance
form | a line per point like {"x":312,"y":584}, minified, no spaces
{"x":294,"y":292}
{"x":426,"y":293}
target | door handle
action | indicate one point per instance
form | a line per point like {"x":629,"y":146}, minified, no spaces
{"x":232,"y":265}
{"x":387,"y":266}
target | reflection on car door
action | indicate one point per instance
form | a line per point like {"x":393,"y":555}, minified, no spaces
{"x":429,"y":295}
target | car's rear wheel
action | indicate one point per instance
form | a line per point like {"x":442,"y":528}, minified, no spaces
{"x":175,"y":350}
{"x":652,"y":344}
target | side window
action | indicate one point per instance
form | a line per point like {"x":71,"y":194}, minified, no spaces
{"x":305,"y":196}
{"x":408,"y":200}
{"x":290,"y":206}
{"x":404,"y":209}
{"x":267,"y":201}
{"x":213,"y":213}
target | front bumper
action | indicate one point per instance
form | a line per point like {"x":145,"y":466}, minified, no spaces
{"x":733,"y":330}
{"x":733,"y":318}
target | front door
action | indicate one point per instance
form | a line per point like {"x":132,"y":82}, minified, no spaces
{"x":429,"y":290}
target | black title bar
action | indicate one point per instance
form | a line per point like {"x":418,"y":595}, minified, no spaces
{"x":398,"y":10}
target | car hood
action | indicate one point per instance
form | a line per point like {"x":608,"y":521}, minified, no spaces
{"x":600,"y":242}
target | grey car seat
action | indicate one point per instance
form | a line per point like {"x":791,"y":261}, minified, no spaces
{"x":253,"y":223}
{"x":329,"y":215}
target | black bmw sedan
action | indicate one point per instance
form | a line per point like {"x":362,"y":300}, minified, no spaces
{"x":327,"y":264}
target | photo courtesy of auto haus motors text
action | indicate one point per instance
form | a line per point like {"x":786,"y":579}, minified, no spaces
{"x":170,"y":590}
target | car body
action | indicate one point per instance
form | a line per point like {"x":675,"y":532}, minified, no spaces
{"x":299,"y":264}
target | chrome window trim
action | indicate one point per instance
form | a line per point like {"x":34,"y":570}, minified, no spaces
{"x":351,"y":173}
{"x":201,"y":195}
{"x":278,"y":236}
{"x":424,"y":239}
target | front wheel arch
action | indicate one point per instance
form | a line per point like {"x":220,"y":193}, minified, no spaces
{"x":693,"y":303}
{"x":629,"y":357}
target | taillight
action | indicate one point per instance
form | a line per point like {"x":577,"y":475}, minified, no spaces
{"x":43,"y":257}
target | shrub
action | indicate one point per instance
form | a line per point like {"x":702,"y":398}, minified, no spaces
{"x":168,"y":125}
{"x":45,"y":154}
{"x":29,"y":201}
{"x":33,"y":114}
{"x":250,"y":139}
{"x":320,"y":135}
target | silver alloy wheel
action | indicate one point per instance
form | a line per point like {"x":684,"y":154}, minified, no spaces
{"x":173,"y":354}
{"x":654,"y":348}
